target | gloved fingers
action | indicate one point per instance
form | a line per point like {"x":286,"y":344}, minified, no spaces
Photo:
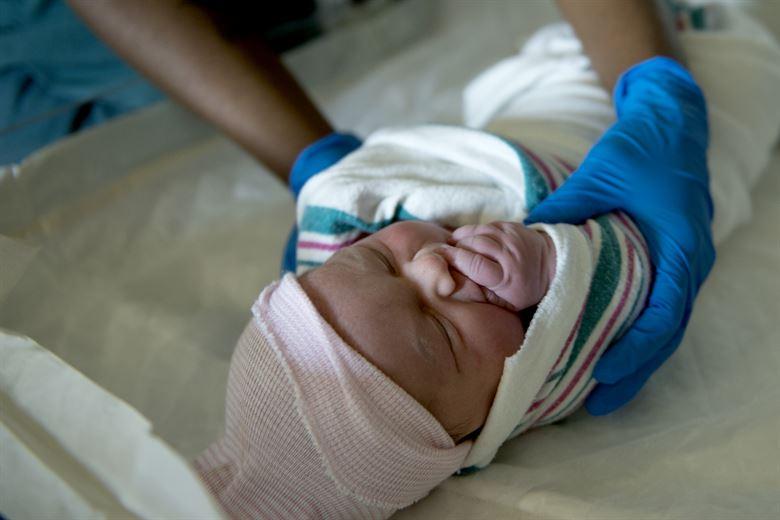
{"x":320,"y":155}
{"x":668,"y":90}
{"x":577,"y":200}
{"x":664,"y":317}
{"x":480,"y":269}
{"x":606,"y":398}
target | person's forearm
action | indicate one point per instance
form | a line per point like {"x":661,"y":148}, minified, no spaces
{"x":240,"y":86}
{"x":616,"y":34}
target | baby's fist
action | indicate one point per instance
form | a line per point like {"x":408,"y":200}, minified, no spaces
{"x":512,"y":264}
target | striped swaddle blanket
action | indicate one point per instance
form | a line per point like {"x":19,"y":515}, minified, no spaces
{"x":548,"y":98}
{"x":456,"y":176}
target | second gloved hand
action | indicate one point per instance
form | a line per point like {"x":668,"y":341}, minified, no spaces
{"x":316,"y":157}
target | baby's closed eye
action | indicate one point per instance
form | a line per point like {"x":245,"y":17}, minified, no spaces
{"x":444,"y":333}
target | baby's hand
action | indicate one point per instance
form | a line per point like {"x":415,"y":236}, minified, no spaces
{"x":513,"y":265}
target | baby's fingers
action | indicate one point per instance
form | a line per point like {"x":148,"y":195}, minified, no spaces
{"x":486,"y":245}
{"x":472,"y":230}
{"x":480,"y":269}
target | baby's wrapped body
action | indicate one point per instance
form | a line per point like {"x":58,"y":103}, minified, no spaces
{"x":457,"y":176}
{"x":322,"y":417}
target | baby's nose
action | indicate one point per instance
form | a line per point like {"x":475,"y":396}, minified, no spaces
{"x":431,"y":273}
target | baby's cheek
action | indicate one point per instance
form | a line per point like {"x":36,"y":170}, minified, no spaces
{"x":494,"y":333}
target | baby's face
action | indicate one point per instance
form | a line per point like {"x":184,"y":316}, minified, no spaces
{"x":428,"y":328}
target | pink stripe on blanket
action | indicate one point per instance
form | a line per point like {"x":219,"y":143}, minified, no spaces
{"x":548,"y":175}
{"x":566,"y":346}
{"x":321,"y":246}
{"x":597,"y":346}
{"x":633,"y":231}
{"x":588,"y":231}
{"x":570,"y":339}
{"x":564,"y":165}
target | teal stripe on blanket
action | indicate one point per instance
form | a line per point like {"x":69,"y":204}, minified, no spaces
{"x":555,"y":375}
{"x":644,"y":281}
{"x":536,"y":188}
{"x":308,"y":263}
{"x":574,"y":402}
{"x":330,"y":221}
{"x":602,"y":287}
{"x":638,"y":301}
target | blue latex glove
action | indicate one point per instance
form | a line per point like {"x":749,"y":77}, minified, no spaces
{"x":315,"y":158}
{"x":651,"y":164}
{"x":319,"y":155}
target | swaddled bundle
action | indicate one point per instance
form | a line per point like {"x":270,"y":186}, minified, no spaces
{"x":314,"y":429}
{"x":550,"y":104}
{"x":455,"y":176}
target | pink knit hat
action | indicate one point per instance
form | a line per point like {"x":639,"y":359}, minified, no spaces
{"x":315,"y":430}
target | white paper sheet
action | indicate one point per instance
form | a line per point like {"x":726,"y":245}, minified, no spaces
{"x":69,"y":449}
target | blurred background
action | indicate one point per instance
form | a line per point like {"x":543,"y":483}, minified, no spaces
{"x":57,"y":78}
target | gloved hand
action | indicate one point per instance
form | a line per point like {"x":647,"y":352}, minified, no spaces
{"x":316,"y":157}
{"x":320,"y":155}
{"x":651,"y":164}
{"x":513,"y":265}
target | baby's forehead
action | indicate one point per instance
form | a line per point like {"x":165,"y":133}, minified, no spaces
{"x":359,"y":255}
{"x":357,"y":277}
{"x":414,"y":228}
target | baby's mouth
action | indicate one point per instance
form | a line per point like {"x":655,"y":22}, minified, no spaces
{"x":465,"y":289}
{"x":458,"y":287}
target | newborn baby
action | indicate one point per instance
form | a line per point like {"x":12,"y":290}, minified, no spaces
{"x":395,"y":359}
{"x":540,"y":304}
{"x":400,"y":299}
